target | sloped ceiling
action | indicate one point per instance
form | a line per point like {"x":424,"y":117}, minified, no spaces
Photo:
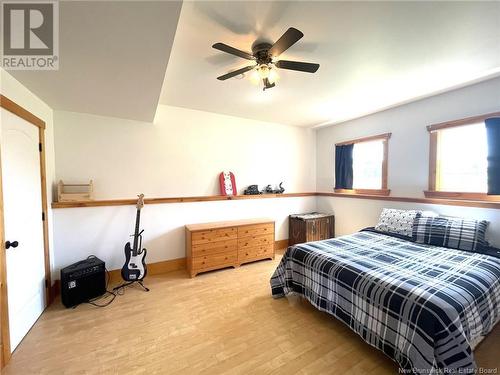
{"x":373,"y":55}
{"x":113,"y":57}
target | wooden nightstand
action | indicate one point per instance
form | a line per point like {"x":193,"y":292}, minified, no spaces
{"x":309,"y":227}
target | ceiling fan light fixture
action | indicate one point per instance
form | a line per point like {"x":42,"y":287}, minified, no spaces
{"x":265,"y":57}
{"x":255,"y":77}
{"x":264,"y":71}
{"x":273,"y":75}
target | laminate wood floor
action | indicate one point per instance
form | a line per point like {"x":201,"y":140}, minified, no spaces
{"x":222,"y":322}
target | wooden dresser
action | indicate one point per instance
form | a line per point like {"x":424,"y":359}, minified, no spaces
{"x":211,"y":246}
{"x":309,"y":227}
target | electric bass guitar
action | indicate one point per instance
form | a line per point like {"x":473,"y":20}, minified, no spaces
{"x":134,"y":268}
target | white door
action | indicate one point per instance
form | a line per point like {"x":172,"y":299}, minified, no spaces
{"x":20,"y":158}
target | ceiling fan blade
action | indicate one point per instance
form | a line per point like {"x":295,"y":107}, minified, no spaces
{"x":233,"y":51}
{"x":235,"y":73}
{"x":297,"y":65}
{"x":288,"y":39}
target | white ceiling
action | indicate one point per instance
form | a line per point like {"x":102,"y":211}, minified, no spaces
{"x":373,"y":55}
{"x":113,"y":57}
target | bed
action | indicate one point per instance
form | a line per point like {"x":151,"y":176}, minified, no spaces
{"x":424,"y":306}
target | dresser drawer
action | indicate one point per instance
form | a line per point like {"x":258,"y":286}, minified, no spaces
{"x":257,"y":252}
{"x":215,"y":245}
{"x":255,"y":230}
{"x":214,"y":248}
{"x":213,"y":235}
{"x":254,"y":241}
{"x":216,"y":260}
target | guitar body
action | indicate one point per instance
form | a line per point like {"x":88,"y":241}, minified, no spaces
{"x":134,"y":268}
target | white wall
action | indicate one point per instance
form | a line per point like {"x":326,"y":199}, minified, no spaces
{"x":181,"y":153}
{"x":103,"y":231}
{"x":409,"y":144}
{"x":14,"y":90}
{"x":408,"y":155}
{"x":353,"y":214}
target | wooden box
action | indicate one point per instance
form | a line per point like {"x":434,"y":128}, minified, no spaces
{"x":75,"y":192}
{"x":310,"y":227}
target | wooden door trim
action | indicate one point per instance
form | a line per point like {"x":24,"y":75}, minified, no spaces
{"x":16,"y":109}
{"x":4,"y":305}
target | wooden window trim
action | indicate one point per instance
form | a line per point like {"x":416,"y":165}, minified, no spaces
{"x":434,"y":166}
{"x":384,"y":191}
{"x":461,"y":122}
{"x":385,"y":136}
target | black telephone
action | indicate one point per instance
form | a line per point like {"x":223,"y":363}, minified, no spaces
{"x":252,"y":190}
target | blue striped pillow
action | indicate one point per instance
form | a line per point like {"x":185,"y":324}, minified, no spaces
{"x":451,"y":232}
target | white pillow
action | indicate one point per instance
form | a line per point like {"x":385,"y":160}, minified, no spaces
{"x":397,"y":221}
{"x":428,"y":214}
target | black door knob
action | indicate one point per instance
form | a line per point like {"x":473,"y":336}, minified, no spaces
{"x":9,"y":244}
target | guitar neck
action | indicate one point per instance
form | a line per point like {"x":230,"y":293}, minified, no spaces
{"x":136,"y":233}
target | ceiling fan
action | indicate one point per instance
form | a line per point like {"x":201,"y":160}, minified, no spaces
{"x":265,"y":56}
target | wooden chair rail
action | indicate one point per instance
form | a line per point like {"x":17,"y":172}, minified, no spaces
{"x":440,"y":201}
{"x":449,"y":201}
{"x":462,"y":196}
{"x":208,"y":198}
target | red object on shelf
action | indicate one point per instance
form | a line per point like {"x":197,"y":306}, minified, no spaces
{"x":227,"y":184}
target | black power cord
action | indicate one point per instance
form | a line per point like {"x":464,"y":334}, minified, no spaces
{"x":117,"y":291}
{"x":106,"y":293}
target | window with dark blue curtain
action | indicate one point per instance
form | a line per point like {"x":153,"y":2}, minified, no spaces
{"x":493,"y":136}
{"x":343,"y":166}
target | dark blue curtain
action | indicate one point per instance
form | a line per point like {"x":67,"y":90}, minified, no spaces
{"x":493,"y":135}
{"x":343,"y":166}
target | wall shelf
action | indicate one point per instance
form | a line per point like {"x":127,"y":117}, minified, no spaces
{"x":208,"y":198}
{"x":211,"y":198}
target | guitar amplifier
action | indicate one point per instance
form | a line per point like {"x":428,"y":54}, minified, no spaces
{"x":82,"y":281}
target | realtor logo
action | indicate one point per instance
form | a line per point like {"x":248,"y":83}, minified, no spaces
{"x":30,"y":35}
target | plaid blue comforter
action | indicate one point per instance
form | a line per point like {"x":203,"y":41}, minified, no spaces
{"x":426,"y":307}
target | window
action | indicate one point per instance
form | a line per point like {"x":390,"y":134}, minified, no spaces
{"x":369,"y":166}
{"x":462,"y":159}
{"x":458,"y":160}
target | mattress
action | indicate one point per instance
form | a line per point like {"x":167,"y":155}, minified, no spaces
{"x":424,"y":306}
